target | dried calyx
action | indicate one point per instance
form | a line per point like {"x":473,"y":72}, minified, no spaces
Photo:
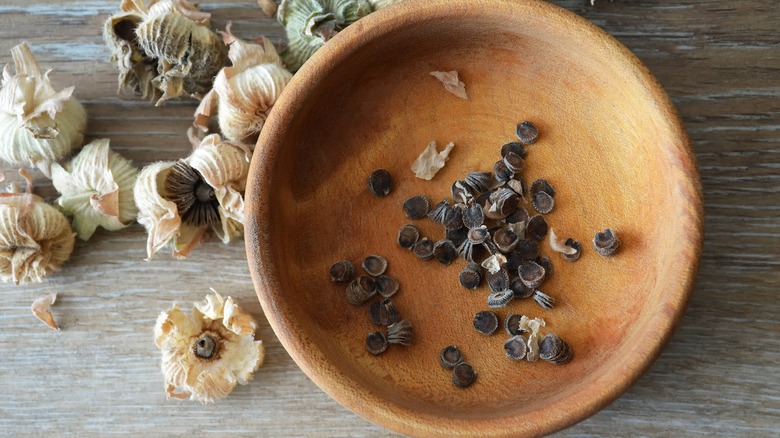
{"x":38,"y":124}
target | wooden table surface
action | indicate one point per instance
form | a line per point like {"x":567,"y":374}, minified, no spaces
{"x":720,"y":375}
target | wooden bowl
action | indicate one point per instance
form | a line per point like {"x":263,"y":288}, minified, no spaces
{"x":611,"y":144}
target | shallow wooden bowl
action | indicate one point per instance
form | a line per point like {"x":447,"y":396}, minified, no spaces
{"x":611,"y":144}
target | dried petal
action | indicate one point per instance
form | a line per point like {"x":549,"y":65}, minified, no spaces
{"x":494,"y":262}
{"x":268,"y":7}
{"x":451,"y":83}
{"x":430,"y":161}
{"x":41,"y":308}
{"x":577,"y":250}
{"x":606,"y":242}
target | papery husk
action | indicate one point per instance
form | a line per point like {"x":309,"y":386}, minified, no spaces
{"x":41,"y":308}
{"x":38,"y":125}
{"x":35,"y":238}
{"x":381,"y":4}
{"x":97,"y":189}
{"x":430,"y":161}
{"x":244,"y":93}
{"x":158,"y":215}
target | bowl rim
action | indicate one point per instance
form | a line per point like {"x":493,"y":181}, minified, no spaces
{"x":563,"y":413}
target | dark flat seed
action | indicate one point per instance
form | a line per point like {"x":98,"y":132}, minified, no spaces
{"x":470,"y":279}
{"x":541,"y":185}
{"x":505,"y":239}
{"x":514,"y":162}
{"x":543,"y":300}
{"x":386,"y":286}
{"x":516,"y":348}
{"x":438,"y":212}
{"x":478,"y":182}
{"x":461,"y":193}
{"x":519,"y":289}
{"x":463,"y":375}
{"x":473,"y":216}
{"x":342,"y":271}
{"x":380,"y":183}
{"x":506,"y":201}
{"x":531,"y":274}
{"x":542,"y":202}
{"x":573,"y":244}
{"x":500,"y":299}
{"x":486,"y":322}
{"x":445,"y":252}
{"x":519,"y":215}
{"x":515,"y":147}
{"x":502,"y":172}
{"x":478,"y":235}
{"x":360,"y":290}
{"x":527,"y":132}
{"x":546,"y":264}
{"x":517,"y":185}
{"x":537,"y":228}
{"x":526,"y":249}
{"x":457,"y":237}
{"x":424,"y":248}
{"x":483,"y":198}
{"x":408,"y":235}
{"x":400,"y":333}
{"x":375,"y":265}
{"x":499,"y":281}
{"x":512,"y":324}
{"x":513,"y":263}
{"x":388,"y":313}
{"x":375,"y":312}
{"x":555,"y":350}
{"x":376,"y":343}
{"x":606,"y":242}
{"x":416,"y":207}
{"x":450,"y":357}
{"x":453,"y":218}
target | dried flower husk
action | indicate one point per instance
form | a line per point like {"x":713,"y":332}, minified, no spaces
{"x":311,"y":23}
{"x":35,"y":238}
{"x":245,"y":92}
{"x":532,"y":326}
{"x":136,"y":70}
{"x":38,"y":125}
{"x":451,"y":83}
{"x":430,"y":161}
{"x":234,"y":354}
{"x":223,"y":166}
{"x":188,"y":53}
{"x":96,"y":189}
{"x":41,"y":308}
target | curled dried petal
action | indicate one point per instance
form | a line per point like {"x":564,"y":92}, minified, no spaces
{"x":430,"y":161}
{"x":558,"y":245}
{"x":41,"y":308}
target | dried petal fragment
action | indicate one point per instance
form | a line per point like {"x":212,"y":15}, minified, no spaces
{"x":558,"y":245}
{"x":268,"y":7}
{"x":532,"y":326}
{"x":606,"y":242}
{"x":494,"y":262}
{"x":571,"y":243}
{"x":451,"y":83}
{"x":136,"y":70}
{"x":430,"y":161}
{"x":41,"y":308}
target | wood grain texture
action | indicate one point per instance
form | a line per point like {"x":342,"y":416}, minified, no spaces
{"x":719,"y":60}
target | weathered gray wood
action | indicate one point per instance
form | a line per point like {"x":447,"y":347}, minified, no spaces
{"x":719,"y":61}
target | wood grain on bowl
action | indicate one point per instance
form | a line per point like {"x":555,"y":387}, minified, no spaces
{"x":611,"y":144}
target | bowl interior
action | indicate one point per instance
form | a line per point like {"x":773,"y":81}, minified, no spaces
{"x":610,"y":145}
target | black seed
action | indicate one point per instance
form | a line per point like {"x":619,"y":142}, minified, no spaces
{"x":439,"y":211}
{"x":573,"y":244}
{"x":408,"y":235}
{"x":505,"y":239}
{"x":205,"y":347}
{"x":516,"y":348}
{"x":375,"y":312}
{"x":445,"y":252}
{"x":457,"y":236}
{"x":386,"y":286}
{"x":546,"y":264}
{"x":460,"y":193}
{"x":342,"y":271}
{"x":473,"y":216}
{"x":478,"y":235}
{"x":483,"y":198}
{"x":531,"y":274}
{"x":389,"y":314}
{"x":515,"y":147}
{"x":500,"y":299}
{"x":541,"y":185}
{"x":505,"y":201}
{"x":499,"y":281}
{"x":527,"y":132}
{"x":543,"y":300}
{"x":519,"y":215}
{"x":424,"y":248}
{"x":376,"y":343}
{"x":502,"y":172}
{"x":519,"y":289}
{"x":526,"y":249}
{"x":485,"y":322}
{"x":517,"y":184}
{"x":466,"y":250}
{"x":463,"y":375}
{"x":606,"y":242}
{"x":450,"y":357}
{"x":478,"y":182}
{"x":380,"y":183}
{"x":555,"y":350}
{"x":542,"y":202}
{"x":512,"y":324}
{"x":470,"y":277}
{"x":400,"y":333}
{"x":360,"y":290}
{"x":195,"y":200}
{"x":513,"y":263}
{"x":453,"y":218}
{"x":514,"y":162}
{"x":375,"y":265}
{"x":416,"y":207}
{"x":536,"y":228}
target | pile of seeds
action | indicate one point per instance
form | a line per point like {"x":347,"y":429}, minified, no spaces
{"x":382,"y":313}
{"x":463,"y":374}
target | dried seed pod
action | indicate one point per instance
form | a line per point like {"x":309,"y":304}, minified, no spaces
{"x":408,"y":235}
{"x":360,"y":290}
{"x":517,"y":185}
{"x":375,"y":312}
{"x":516,"y":348}
{"x":502,"y":172}
{"x":531,"y":274}
{"x":541,"y":185}
{"x":498,"y":281}
{"x":38,"y":125}
{"x":386,"y":286}
{"x":136,"y":70}
{"x":450,"y":357}
{"x":471,"y":276}
{"x":478,"y":182}
{"x":416,"y":207}
{"x":485,"y":322}
{"x":527,"y":132}
{"x":519,"y":289}
{"x":457,"y":237}
{"x":453,"y":218}
{"x":526,"y":249}
{"x":375,"y":265}
{"x":571,"y":243}
{"x":342,"y":271}
{"x":606,"y":242}
{"x":478,"y":235}
{"x":536,"y":228}
{"x":514,"y":162}
{"x":41,"y":308}
{"x":546,"y":264}
{"x":532,"y":327}
{"x":520,"y":215}
{"x":512,"y":324}
{"x":424,"y":248}
{"x":439,"y":211}
{"x":463,"y":375}
{"x":555,"y":350}
{"x":188,"y":53}
{"x":542,"y":202}
{"x":483,"y":199}
{"x":473,"y":216}
{"x":505,"y":239}
{"x":376,"y":343}
{"x":461,"y":193}
{"x":380,"y":183}
{"x":383,"y":312}
{"x":466,"y":250}
{"x":445,"y":252}
{"x":543,"y":300}
{"x":503,"y":203}
{"x":515,"y":147}
{"x":559,"y":245}
{"x":500,"y":299}
{"x":400,"y":333}
{"x":494,"y":262}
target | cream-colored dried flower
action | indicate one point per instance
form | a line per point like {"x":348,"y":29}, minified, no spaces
{"x":558,"y":245}
{"x":38,"y":125}
{"x":97,"y":189}
{"x":35,"y":238}
{"x":244,"y":93}
{"x":41,"y":308}
{"x":451,"y":83}
{"x":136,"y":70}
{"x":532,"y":326}
{"x":188,"y":53}
{"x":431,"y":161}
{"x":179,"y":201}
{"x":494,"y":262}
{"x":311,"y":23}
{"x":206,"y":355}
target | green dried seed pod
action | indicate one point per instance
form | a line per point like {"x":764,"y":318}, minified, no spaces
{"x":450,"y":357}
{"x":416,"y":207}
{"x":376,"y":343}
{"x":536,"y":228}
{"x":531,"y":274}
{"x":606,"y":242}
{"x":375,"y":265}
{"x":342,"y":271}
{"x":485,"y":322}
{"x":445,"y":252}
{"x":380,"y":182}
{"x":408,"y":235}
{"x":500,"y":299}
{"x":527,"y":132}
{"x":386,"y":286}
{"x":463,"y":375}
{"x":424,"y":248}
{"x":515,"y":147}
{"x":516,"y":348}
